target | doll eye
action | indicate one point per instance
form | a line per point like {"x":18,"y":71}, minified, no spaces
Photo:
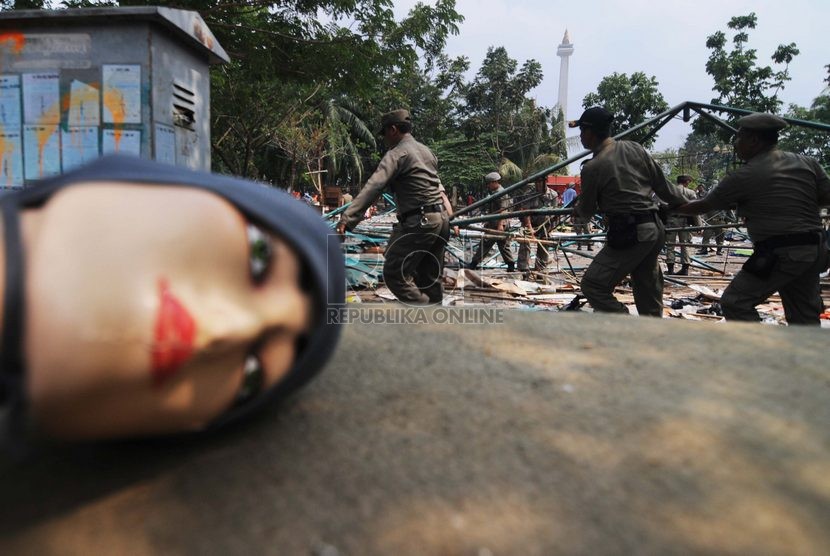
{"x":252,"y":379}
{"x":261,"y":254}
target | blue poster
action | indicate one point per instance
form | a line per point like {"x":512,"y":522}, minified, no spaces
{"x":79,"y":145}
{"x":41,"y":151}
{"x":10,"y":102}
{"x":11,"y":159}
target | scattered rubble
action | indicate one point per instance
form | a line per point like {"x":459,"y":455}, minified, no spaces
{"x":693,"y":297}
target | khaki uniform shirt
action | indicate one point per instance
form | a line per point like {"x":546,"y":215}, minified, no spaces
{"x":620,"y":179}
{"x":778,"y":192}
{"x":410,"y":170}
{"x":677,"y":220}
{"x":502,"y":204}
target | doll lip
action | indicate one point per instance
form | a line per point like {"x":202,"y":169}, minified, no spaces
{"x":174,"y":335}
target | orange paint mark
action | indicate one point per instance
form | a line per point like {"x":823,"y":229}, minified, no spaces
{"x":6,"y":157}
{"x":43,"y":133}
{"x":114,"y":102}
{"x":17,"y":40}
{"x":77,"y":98}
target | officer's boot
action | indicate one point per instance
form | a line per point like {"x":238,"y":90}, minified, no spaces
{"x":670,"y":268}
{"x":702,"y":251}
{"x":718,"y":251}
{"x":511,"y":267}
{"x":590,"y":246}
{"x":684,"y":270}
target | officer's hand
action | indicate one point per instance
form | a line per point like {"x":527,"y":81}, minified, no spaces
{"x":456,"y":231}
{"x":341,"y":229}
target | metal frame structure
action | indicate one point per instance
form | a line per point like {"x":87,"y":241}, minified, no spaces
{"x":702,"y":109}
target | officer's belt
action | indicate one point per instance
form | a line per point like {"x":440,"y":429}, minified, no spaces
{"x":789,"y":240}
{"x":437,"y":207}
{"x":639,"y":217}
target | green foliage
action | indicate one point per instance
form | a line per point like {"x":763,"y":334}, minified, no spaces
{"x":738,"y":80}
{"x":808,"y":141}
{"x":632,"y":100}
{"x":705,"y":157}
{"x":464,"y":162}
{"x":558,"y":141}
{"x":497,"y":109}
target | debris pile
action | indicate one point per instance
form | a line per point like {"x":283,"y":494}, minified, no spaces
{"x":692,"y":297}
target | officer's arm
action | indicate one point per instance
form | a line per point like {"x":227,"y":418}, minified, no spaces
{"x":667,"y":191}
{"x":586,"y":203}
{"x":696,"y":207}
{"x":386,"y":171}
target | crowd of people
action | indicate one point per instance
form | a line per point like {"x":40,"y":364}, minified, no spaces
{"x":776,"y":195}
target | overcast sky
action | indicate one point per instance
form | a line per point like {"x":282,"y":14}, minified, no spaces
{"x":663,"y":39}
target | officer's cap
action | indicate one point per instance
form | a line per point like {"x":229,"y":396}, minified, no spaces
{"x":491,"y":177}
{"x":596,"y":116}
{"x":762,"y":122}
{"x":400,"y":116}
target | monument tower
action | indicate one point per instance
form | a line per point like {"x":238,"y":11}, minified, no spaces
{"x":564,"y":51}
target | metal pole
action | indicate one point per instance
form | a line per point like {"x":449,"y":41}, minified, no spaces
{"x":670,"y":112}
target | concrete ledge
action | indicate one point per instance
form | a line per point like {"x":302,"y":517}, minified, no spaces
{"x":548,"y":434}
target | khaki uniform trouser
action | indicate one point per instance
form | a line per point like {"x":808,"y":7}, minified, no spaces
{"x":484,"y":247}
{"x":678,"y":237}
{"x":611,"y":265}
{"x":710,"y":233}
{"x":795,"y":277}
{"x":414,"y":258}
{"x":542,"y":253}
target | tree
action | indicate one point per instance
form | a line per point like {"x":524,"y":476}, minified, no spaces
{"x":496,"y":105}
{"x":632,"y":100}
{"x":463,"y":162}
{"x":287,"y":65}
{"x":811,"y":142}
{"x":706,"y":157}
{"x":738,"y":80}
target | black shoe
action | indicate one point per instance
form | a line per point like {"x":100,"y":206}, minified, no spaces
{"x":670,"y":268}
{"x":590,"y":248}
{"x":579,"y":248}
{"x":718,"y":252}
{"x":702,"y":252}
{"x":684,"y":270}
{"x":511,"y":268}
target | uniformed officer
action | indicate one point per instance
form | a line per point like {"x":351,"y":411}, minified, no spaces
{"x":538,"y":227}
{"x":684,"y":237}
{"x":715,"y":218}
{"x":414,"y":256}
{"x":618,"y":181}
{"x":502,"y":204}
{"x":780,"y":195}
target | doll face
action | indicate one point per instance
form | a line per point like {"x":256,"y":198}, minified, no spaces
{"x":146,"y":305}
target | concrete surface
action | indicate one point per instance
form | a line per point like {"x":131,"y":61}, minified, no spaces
{"x":548,"y":434}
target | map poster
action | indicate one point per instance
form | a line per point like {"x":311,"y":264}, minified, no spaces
{"x":122,"y":94}
{"x":165,"y":144}
{"x":41,"y":98}
{"x":126,"y":141}
{"x":41,"y":150}
{"x":11,"y":158}
{"x":10,"y":101}
{"x":79,"y":145}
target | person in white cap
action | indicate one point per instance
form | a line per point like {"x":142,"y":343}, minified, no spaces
{"x":779,"y":194}
{"x":502,"y":204}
